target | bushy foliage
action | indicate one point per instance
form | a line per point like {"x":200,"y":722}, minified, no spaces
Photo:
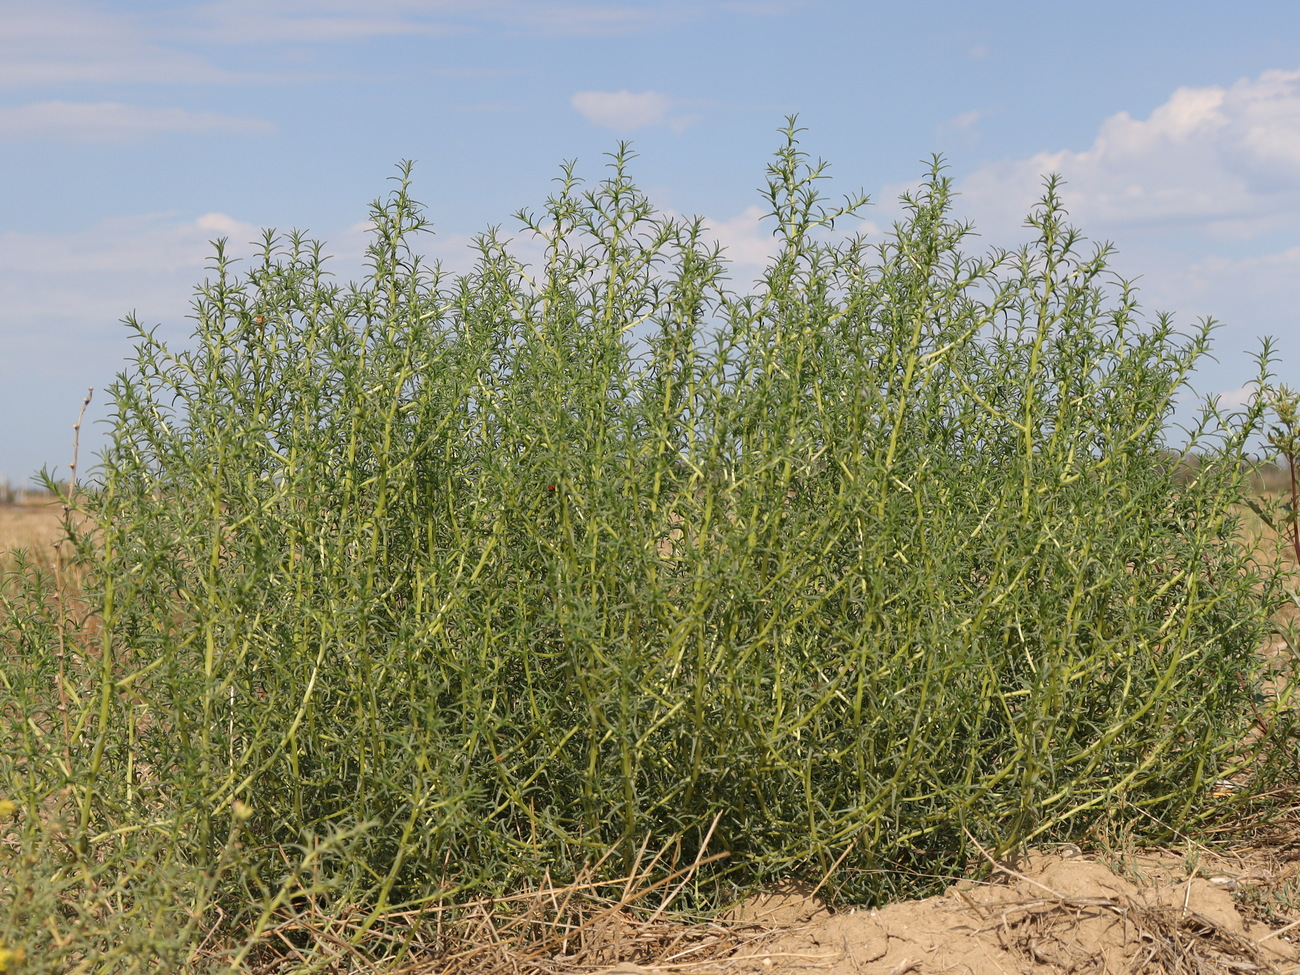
{"x":436,"y":586}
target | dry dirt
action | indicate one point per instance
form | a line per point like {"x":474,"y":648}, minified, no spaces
{"x":1059,"y":913}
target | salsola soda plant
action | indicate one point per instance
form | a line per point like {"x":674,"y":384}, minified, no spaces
{"x":434,"y":587}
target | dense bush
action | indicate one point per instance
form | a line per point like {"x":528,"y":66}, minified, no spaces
{"x":437,"y":586}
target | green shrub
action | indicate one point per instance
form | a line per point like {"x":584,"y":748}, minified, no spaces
{"x":439,"y":586}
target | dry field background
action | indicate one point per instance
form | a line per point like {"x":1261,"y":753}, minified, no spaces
{"x":34,"y":527}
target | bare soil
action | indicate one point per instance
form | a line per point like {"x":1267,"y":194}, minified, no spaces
{"x":1059,"y":913}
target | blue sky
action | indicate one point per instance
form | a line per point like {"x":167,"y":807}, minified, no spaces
{"x":134,"y":132}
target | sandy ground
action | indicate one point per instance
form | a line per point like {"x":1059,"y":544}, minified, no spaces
{"x":1057,"y":914}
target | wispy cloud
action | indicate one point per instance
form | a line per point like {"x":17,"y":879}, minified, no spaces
{"x":623,"y":111}
{"x":765,"y":8}
{"x":590,"y":18}
{"x":161,"y":241}
{"x":627,"y":111}
{"x":82,"y":282}
{"x":112,"y":122}
{"x":307,"y":21}
{"x":1235,"y":290}
{"x":59,"y":42}
{"x":611,"y":17}
{"x":63,"y":295}
{"x":253,"y":22}
{"x":963,"y":128}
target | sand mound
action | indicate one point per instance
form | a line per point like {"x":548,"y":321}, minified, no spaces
{"x":1056,"y":914}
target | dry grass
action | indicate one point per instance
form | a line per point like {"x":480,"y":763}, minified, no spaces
{"x":32,"y":528}
{"x":583,"y":927}
{"x":1166,"y":940}
{"x":1273,"y":547}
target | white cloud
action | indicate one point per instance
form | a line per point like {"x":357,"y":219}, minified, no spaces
{"x":966,"y":120}
{"x":82,"y":281}
{"x":62,"y":297}
{"x":623,"y":111}
{"x":962,"y":128}
{"x":1233,"y":399}
{"x":1223,"y":160}
{"x":112,"y":122}
{"x":1200,"y":198}
{"x":747,"y":242}
{"x":143,"y":243}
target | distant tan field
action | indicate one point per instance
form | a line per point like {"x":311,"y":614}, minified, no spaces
{"x":32,"y":527}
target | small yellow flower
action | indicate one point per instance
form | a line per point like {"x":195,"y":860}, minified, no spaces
{"x":7,"y":808}
{"x":11,"y":956}
{"x":242,"y":810}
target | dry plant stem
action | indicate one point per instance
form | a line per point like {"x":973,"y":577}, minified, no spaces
{"x":842,"y":857}
{"x":1279,"y":931}
{"x":76,"y":450}
{"x":690,"y":871}
{"x":1284,"y":437}
{"x":1010,"y":872}
{"x":61,"y":581}
{"x":1295,"y":501}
